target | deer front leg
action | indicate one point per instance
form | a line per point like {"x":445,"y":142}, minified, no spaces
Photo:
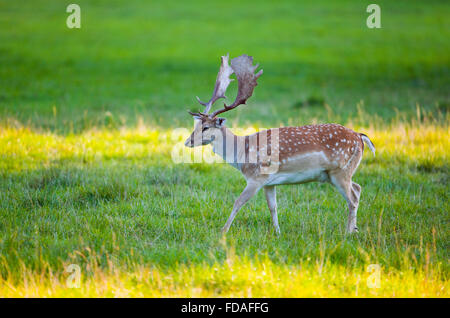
{"x":250,"y":190}
{"x":271,"y":197}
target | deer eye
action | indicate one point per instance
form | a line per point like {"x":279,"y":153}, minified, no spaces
{"x":204,"y":128}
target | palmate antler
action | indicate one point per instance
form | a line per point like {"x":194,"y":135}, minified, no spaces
{"x":244,"y":69}
{"x":222,"y":81}
{"x":245,"y":73}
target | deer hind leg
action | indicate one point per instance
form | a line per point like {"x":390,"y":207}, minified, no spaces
{"x":356,"y":192}
{"x":250,"y":190}
{"x":271,"y":197}
{"x":351,"y":192}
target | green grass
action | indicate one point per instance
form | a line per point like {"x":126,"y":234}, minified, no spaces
{"x":140,"y":59}
{"x":117,"y":199}
{"x":87,"y":177}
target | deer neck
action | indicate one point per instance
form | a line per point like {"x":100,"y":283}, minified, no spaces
{"x":230,"y":147}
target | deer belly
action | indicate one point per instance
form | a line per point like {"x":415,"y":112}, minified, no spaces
{"x":298,"y":177}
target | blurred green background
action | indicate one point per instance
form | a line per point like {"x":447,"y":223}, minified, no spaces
{"x":148,"y":59}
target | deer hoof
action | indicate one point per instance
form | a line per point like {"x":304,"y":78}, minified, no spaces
{"x":353,"y":230}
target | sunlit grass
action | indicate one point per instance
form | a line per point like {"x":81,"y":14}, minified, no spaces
{"x":409,"y":250}
{"x":23,"y":148}
{"x":235,"y":277}
{"x":27,"y":149}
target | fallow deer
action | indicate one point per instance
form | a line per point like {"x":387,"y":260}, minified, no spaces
{"x":287,"y":155}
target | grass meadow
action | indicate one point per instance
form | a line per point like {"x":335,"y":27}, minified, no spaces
{"x":90,"y":118}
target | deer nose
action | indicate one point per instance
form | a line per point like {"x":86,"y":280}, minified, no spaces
{"x":189,"y":142}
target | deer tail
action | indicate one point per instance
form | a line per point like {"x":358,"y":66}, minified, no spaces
{"x":368,"y":142}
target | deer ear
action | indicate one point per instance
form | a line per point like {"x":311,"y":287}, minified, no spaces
{"x":220,"y":122}
{"x":196,"y":116}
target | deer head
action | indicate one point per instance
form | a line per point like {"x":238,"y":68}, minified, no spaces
{"x":208,"y":125}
